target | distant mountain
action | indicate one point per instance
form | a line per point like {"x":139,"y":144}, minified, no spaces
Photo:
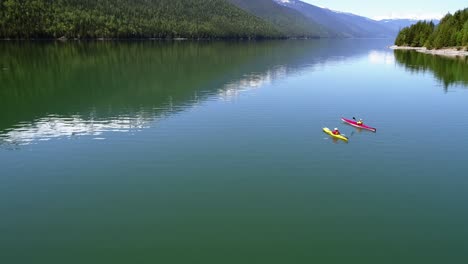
{"x":289,"y":21}
{"x":340,"y":23}
{"x":397,"y":24}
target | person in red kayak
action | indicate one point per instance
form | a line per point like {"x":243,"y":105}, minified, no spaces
{"x":360,"y":122}
{"x":336,"y":131}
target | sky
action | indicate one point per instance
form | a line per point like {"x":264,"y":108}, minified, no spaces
{"x":380,"y":9}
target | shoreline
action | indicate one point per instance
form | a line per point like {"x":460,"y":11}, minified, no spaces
{"x":65,"y":39}
{"x":447,"y":52}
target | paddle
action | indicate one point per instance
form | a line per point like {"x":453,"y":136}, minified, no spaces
{"x":357,"y":121}
{"x":374,"y":129}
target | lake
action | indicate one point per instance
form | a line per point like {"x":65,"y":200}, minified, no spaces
{"x":213,"y":152}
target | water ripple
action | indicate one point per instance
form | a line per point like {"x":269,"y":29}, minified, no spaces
{"x":53,"y":126}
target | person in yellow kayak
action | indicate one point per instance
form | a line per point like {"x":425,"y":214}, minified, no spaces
{"x":336,"y":131}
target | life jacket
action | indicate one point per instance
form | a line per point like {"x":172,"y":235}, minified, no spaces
{"x":359,"y":122}
{"x":336,"y":132}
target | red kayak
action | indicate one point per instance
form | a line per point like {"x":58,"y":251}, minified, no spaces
{"x":355,"y":124}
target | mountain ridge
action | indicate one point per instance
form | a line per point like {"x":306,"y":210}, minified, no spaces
{"x":287,"y":20}
{"x":343,"y":23}
{"x":191,"y":19}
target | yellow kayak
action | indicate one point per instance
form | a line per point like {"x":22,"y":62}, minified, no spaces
{"x":329,"y":132}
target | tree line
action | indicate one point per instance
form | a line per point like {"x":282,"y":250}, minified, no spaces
{"x":28,"y":19}
{"x":452,"y":31}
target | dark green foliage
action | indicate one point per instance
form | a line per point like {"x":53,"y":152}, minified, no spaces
{"x":129,"y":19}
{"x":415,"y":35}
{"x":452,"y":31}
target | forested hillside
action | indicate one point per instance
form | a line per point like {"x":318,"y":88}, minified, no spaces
{"x":194,"y":19}
{"x":287,"y":20}
{"x":129,"y":19}
{"x":452,"y":31}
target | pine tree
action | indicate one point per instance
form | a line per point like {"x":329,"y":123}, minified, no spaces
{"x":129,"y":19}
{"x":451,"y":31}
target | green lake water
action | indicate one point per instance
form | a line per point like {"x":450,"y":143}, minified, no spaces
{"x":213,"y":152}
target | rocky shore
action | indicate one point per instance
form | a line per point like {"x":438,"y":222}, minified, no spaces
{"x":448,"y":52}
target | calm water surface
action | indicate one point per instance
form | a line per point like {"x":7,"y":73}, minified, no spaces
{"x":213,"y":152}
